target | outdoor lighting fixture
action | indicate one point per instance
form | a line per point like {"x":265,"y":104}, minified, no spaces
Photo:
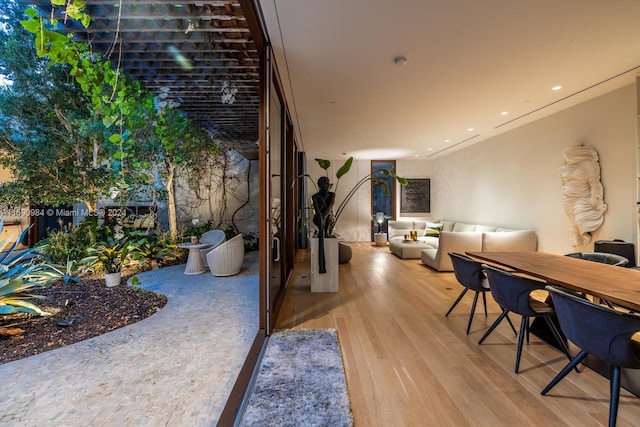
{"x":228,"y":91}
{"x":380,"y":220}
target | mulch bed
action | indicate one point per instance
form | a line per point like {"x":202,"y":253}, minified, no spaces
{"x":101,"y":309}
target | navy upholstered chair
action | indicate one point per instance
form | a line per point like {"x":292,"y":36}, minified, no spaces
{"x":470,"y":275}
{"x":600,"y":331}
{"x":513,"y":293}
{"x":603,"y":257}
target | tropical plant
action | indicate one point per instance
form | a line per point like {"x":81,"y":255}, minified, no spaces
{"x":109,"y":255}
{"x":375,"y":177}
{"x":150,"y":250}
{"x":20,"y":275}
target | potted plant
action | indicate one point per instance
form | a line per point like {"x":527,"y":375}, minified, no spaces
{"x":110,"y":255}
{"x":375,"y":177}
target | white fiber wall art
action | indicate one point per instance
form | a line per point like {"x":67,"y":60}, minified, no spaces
{"x":582,"y":192}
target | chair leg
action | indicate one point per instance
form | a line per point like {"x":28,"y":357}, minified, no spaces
{"x":523,"y":331}
{"x":563,"y":373}
{"x":511,"y":324}
{"x":484,"y":299}
{"x":473,"y":310}
{"x":615,"y":395}
{"x":498,"y":320}
{"x":558,"y":337}
{"x":464,"y":291}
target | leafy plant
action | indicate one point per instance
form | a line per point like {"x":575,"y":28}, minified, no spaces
{"x":109,"y":255}
{"x":150,"y":250}
{"x":375,"y":177}
{"x":61,"y":247}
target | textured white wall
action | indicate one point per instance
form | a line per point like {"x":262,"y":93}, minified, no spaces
{"x":512,"y":180}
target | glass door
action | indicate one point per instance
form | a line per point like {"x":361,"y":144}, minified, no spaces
{"x":275,"y":164}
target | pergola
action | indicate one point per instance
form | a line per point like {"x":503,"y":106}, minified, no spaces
{"x":201,"y":52}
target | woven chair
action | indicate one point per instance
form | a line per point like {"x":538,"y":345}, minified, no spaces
{"x":226,"y":259}
{"x":213,"y":238}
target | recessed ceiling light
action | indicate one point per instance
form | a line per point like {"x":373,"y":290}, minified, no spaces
{"x":556,"y":88}
{"x":400,"y":61}
{"x":447,"y":140}
{"x":470,"y":129}
{"x":415,"y":155}
{"x":429,"y":149}
{"x":504,"y":113}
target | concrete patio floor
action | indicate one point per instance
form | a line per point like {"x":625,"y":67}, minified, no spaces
{"x":176,"y":367}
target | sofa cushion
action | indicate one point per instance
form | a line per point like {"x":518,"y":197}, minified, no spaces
{"x":461,"y":226}
{"x":447,"y":225}
{"x":484,"y":228}
{"x":419,"y":226}
{"x":399,"y":228}
{"x":523,"y":240}
{"x":433,"y":241}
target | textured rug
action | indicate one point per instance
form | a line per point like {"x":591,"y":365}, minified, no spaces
{"x":301,"y":382}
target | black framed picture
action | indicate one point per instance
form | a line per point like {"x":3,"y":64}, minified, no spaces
{"x":415,"y":196}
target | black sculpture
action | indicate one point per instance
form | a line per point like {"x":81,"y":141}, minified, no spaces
{"x":322,"y":205}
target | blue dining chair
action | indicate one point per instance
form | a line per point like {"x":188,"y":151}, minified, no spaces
{"x":600,"y":331}
{"x":470,"y":275}
{"x":513,"y":294}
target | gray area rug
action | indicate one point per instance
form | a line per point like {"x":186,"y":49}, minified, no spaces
{"x":301,"y":382}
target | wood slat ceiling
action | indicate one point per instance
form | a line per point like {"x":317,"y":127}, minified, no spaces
{"x":189,"y":47}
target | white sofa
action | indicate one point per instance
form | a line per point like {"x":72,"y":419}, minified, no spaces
{"x":456,"y":237}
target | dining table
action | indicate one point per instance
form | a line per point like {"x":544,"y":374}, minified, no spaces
{"x":618,"y":285}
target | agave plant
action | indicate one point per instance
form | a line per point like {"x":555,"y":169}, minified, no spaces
{"x":20,"y":275}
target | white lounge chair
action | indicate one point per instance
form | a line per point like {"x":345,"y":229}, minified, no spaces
{"x":213,"y":238}
{"x":226,"y":259}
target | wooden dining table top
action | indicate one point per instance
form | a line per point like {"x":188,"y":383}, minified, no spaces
{"x":616,"y":284}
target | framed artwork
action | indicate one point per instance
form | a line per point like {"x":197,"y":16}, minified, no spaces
{"x":415,"y":197}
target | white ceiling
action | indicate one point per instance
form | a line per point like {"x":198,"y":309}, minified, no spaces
{"x":467,"y":61}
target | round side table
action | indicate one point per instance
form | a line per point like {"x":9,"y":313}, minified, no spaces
{"x":380,"y":239}
{"x":194,"y":261}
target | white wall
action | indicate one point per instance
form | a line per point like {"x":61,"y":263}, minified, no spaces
{"x":512,"y":180}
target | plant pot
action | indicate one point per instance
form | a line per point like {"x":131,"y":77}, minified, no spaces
{"x":112,"y":279}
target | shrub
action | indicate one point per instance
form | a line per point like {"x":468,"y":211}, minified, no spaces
{"x":151,"y":250}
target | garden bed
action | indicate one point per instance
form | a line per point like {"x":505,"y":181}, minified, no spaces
{"x":101,"y":309}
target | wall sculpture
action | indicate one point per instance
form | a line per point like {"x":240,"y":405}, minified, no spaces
{"x":582,"y":192}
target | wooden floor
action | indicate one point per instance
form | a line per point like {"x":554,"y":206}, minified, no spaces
{"x":408,"y":365}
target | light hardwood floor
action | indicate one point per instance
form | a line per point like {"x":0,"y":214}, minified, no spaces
{"x":408,"y":365}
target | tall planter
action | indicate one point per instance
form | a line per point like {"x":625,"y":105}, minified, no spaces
{"x":325,"y":282}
